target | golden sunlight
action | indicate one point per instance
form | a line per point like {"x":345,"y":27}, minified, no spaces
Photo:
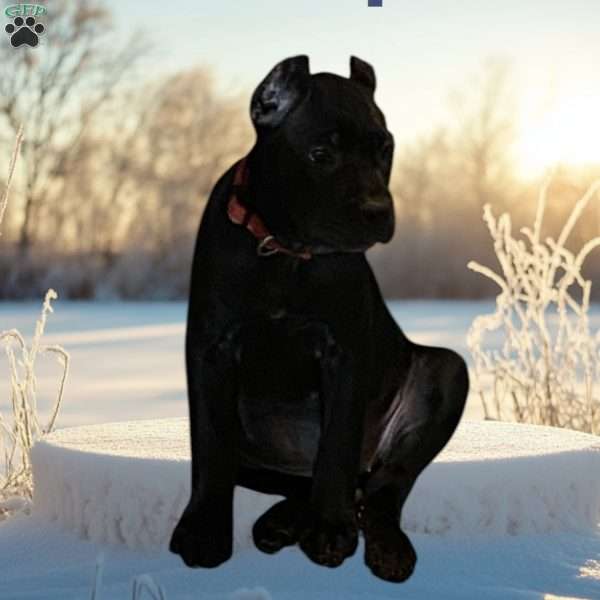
{"x":568,"y":133}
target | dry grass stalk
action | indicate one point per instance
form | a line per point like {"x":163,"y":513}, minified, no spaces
{"x":19,"y":433}
{"x":11,"y":172}
{"x":548,"y":367}
{"x":141,"y":586}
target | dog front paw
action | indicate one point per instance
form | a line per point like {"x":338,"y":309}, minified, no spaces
{"x":388,"y":551}
{"x":279,"y":527}
{"x":202,"y":539}
{"x":329,"y":543}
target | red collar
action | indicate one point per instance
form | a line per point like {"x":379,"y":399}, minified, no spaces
{"x":241,"y":215}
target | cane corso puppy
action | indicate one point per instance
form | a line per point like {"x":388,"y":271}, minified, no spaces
{"x":300,"y":382}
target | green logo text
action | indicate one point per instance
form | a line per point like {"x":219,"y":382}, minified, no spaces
{"x":25,"y":10}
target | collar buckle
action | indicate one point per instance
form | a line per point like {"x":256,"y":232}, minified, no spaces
{"x":262,"y":249}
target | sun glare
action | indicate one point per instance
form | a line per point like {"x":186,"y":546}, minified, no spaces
{"x":567,"y":133}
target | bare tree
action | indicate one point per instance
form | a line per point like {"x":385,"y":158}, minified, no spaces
{"x":441,"y":182}
{"x":56,"y":89}
{"x":121,"y":218}
{"x":485,"y":115}
{"x":188,"y":135}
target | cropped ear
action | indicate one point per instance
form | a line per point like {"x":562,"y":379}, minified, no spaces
{"x":280,"y":92}
{"x":362,"y":72}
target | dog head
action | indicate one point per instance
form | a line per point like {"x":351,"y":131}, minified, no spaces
{"x":329,"y":156}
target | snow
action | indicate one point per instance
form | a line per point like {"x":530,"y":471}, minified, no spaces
{"x":128,"y":483}
{"x":258,"y":593}
{"x":127,"y":357}
{"x":39,"y":561}
{"x":127,"y":364}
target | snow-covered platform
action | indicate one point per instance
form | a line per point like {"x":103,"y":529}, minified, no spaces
{"x":127,"y":483}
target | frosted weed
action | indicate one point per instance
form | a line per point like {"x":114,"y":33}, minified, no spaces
{"x":547,"y":370}
{"x":19,"y":432}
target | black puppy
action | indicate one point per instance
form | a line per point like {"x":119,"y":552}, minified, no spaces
{"x":300,"y":382}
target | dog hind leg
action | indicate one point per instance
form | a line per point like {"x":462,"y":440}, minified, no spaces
{"x":428,"y":410}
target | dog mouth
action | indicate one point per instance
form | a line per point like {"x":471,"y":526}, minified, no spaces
{"x":337,"y":236}
{"x":388,"y":232}
{"x":334,"y":241}
{"x":331,"y":249}
{"x":333,"y":246}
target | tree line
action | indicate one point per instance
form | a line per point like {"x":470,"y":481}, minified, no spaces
{"x":116,"y":168}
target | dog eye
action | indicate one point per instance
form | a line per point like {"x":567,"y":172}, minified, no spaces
{"x":321,"y":155}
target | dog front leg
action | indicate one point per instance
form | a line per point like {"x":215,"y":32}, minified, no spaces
{"x":332,"y":534}
{"x":204,"y":535}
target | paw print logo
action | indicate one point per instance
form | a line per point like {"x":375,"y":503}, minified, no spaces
{"x":24,"y":31}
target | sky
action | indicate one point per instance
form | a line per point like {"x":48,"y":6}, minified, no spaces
{"x":421,"y":51}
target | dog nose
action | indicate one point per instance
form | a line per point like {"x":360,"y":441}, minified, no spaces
{"x":379,"y":216}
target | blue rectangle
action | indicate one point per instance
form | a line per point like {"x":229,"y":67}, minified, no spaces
{"x":375,"y":2}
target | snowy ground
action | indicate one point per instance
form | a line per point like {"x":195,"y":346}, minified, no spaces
{"x":127,"y":483}
{"x":127,"y":358}
{"x":39,"y":561}
{"x":128,"y":365}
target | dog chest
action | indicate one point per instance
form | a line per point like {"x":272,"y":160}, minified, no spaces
{"x":279,"y":402}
